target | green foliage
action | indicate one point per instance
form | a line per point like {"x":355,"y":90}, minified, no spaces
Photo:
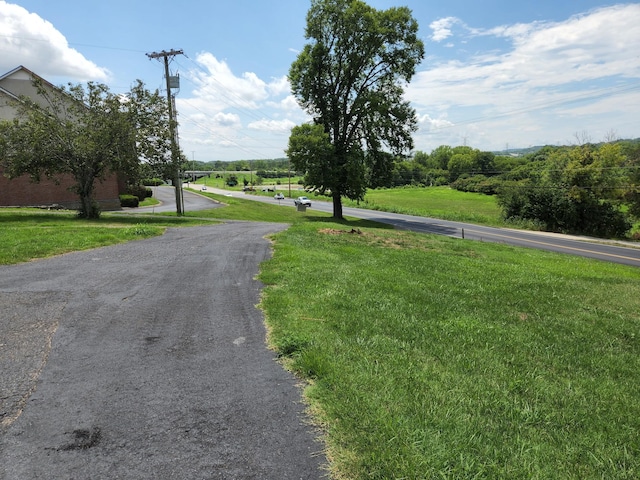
{"x":85,"y":132}
{"x":271,"y":173}
{"x":572,"y":190}
{"x":129,"y":201}
{"x":311,"y":151}
{"x":140,"y":191}
{"x":349,"y":79}
{"x":557,"y":210}
{"x":631,"y":151}
{"x":435,"y":358}
{"x":478,"y":184}
{"x":152,"y":182}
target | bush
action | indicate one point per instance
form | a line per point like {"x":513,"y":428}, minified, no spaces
{"x":557,"y":211}
{"x":140,"y":191}
{"x":129,"y":201}
{"x":152,"y":182}
{"x":478,"y":184}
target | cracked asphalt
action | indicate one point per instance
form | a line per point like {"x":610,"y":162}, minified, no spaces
{"x":148,"y":360}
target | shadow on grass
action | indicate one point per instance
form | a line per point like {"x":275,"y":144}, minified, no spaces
{"x":70,"y":218}
{"x":349,"y":222}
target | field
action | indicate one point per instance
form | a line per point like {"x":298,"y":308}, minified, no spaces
{"x":438,"y":202}
{"x":431,"y":357}
{"x":251,"y":178}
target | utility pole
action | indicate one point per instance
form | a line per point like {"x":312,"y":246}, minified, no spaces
{"x":175,"y":154}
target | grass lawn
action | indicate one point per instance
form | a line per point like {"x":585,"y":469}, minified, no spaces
{"x":26,"y":234}
{"x":432,"y":357}
{"x":439,"y":202}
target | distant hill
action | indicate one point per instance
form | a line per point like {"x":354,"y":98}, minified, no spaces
{"x":519,"y":152}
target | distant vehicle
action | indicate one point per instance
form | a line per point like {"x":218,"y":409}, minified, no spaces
{"x":204,"y":188}
{"x":278,"y":196}
{"x":302,"y":201}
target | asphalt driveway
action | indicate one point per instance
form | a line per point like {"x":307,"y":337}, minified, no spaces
{"x":148,"y":360}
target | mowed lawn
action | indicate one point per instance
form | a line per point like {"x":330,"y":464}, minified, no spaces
{"x":430,"y":357}
{"x":438,"y":202}
{"x":27,"y":234}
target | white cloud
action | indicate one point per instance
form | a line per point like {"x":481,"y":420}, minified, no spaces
{"x":279,"y":86}
{"x":227,"y":119}
{"x":249,"y":117}
{"x":273,"y":125}
{"x":28,"y":40}
{"x":442,"y":28}
{"x":549,"y":73}
{"x":434,"y":123}
{"x":216,"y":83}
{"x":290,"y":103}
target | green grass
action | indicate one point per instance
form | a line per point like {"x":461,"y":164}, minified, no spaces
{"x":438,"y":202}
{"x":280,"y":182}
{"x":431,"y":357}
{"x":28,"y":234}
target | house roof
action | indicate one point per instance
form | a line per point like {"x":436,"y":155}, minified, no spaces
{"x":22,"y":68}
{"x":18,"y":83}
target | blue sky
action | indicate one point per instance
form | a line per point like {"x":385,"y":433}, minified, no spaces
{"x":497,"y":74}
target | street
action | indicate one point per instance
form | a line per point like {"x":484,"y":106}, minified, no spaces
{"x":147,"y":360}
{"x":626,"y":253}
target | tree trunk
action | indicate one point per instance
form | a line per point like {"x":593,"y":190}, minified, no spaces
{"x":88,"y":208}
{"x":85,"y":184}
{"x":337,"y":206}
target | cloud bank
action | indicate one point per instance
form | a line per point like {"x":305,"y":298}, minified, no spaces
{"x":550,"y":78}
{"x":28,"y":40}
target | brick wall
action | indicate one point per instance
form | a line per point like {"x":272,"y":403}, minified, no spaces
{"x":21,"y":192}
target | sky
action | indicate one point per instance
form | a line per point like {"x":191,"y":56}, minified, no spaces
{"x":497,"y":74}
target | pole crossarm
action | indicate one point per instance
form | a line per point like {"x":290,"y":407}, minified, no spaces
{"x":163,"y":53}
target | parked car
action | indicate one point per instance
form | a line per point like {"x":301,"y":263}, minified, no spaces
{"x":302,"y":201}
{"x":278,"y":196}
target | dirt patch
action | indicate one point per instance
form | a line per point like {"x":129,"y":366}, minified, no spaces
{"x":333,"y":231}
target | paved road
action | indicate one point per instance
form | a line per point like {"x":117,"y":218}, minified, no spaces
{"x":147,"y":360}
{"x":166,"y":195}
{"x":617,"y":252}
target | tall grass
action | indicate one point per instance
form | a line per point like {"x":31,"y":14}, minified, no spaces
{"x":431,"y":357}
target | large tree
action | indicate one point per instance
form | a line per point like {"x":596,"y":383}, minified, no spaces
{"x":86,"y":132}
{"x":350,"y":78}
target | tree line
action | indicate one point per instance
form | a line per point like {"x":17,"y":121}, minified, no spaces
{"x":591,"y":189}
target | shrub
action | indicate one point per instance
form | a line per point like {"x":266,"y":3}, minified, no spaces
{"x":557,"y":211}
{"x":152,"y":182}
{"x":478,"y":184}
{"x":140,"y":191}
{"x":129,"y":201}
